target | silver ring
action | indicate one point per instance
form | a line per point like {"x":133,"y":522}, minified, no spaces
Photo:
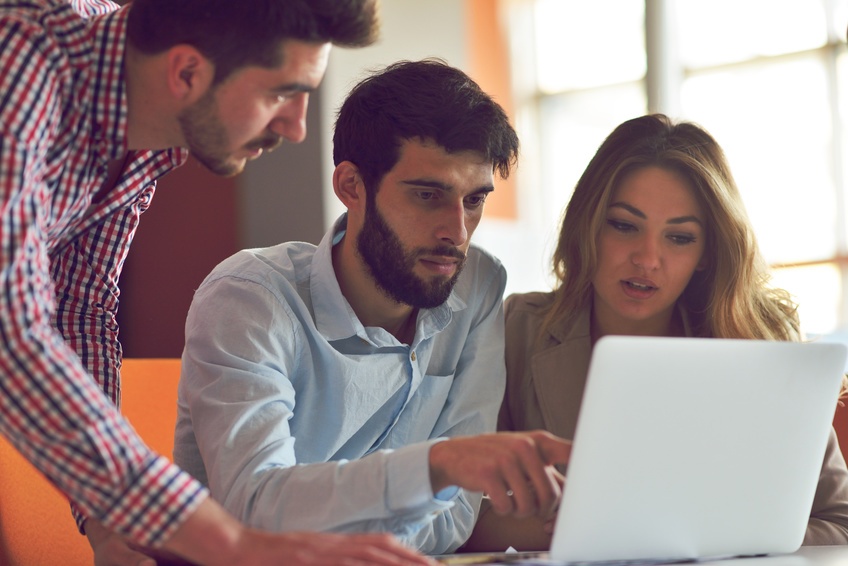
{"x":509,"y":493}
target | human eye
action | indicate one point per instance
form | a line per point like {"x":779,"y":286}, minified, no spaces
{"x":282,"y":96}
{"x":425,"y":195}
{"x":682,"y":239}
{"x":620,"y":225}
{"x":475,"y":201}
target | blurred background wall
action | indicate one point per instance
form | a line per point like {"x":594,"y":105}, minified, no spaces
{"x":768,"y":78}
{"x":197,"y":219}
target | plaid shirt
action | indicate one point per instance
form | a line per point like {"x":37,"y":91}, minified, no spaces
{"x":63,"y":118}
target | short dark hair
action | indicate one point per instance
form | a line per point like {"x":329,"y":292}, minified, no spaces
{"x":240,"y":33}
{"x":419,"y":99}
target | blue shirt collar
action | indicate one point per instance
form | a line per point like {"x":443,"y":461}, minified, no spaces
{"x":335,"y":318}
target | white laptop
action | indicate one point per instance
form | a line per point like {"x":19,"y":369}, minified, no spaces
{"x":691,"y":448}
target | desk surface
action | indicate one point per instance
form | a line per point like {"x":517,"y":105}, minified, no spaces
{"x":806,"y":556}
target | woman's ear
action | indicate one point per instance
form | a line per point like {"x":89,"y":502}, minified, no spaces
{"x":348,"y":186}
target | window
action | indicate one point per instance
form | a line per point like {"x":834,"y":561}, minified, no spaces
{"x":768,"y":78}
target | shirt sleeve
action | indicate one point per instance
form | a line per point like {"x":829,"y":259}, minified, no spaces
{"x":51,"y":409}
{"x":241,"y":349}
{"x":829,"y":517}
{"x":236,"y":385}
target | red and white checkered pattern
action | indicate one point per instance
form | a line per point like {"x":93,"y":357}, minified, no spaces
{"x":63,"y":117}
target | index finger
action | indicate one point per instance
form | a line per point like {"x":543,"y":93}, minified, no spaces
{"x":553,"y":450}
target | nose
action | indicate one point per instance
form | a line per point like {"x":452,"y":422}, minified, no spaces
{"x":290,"y":120}
{"x":453,"y":228}
{"x":646,"y":254}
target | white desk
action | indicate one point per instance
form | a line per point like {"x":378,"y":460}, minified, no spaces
{"x":806,"y":556}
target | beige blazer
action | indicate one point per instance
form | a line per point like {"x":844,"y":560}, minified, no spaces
{"x":546,"y":376}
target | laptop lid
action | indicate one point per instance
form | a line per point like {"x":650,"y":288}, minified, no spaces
{"x":693,"y":448}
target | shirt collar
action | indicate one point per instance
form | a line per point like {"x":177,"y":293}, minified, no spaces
{"x":335,"y":318}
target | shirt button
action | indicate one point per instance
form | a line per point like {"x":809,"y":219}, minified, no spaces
{"x":412,"y":356}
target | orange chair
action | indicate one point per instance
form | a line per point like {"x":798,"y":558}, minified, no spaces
{"x":36,"y":527}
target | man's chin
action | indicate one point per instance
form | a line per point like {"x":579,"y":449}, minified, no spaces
{"x":236,"y":168}
{"x":436,"y":295}
{"x":223,"y":168}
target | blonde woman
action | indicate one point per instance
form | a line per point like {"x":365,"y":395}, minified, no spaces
{"x":655,"y":241}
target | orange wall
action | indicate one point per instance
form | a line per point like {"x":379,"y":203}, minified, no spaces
{"x":488,"y":59}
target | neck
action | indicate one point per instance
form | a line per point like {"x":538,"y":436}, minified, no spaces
{"x":405,"y":331}
{"x":151,"y":123}
{"x":373,"y":307}
{"x":672,"y":325}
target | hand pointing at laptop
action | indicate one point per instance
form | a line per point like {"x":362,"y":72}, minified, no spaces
{"x":516,"y":470}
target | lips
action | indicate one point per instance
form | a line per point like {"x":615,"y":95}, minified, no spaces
{"x":443,"y":266}
{"x":638,"y":288}
{"x":268,"y":143}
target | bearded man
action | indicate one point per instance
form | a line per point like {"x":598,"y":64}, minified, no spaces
{"x":347,"y":387}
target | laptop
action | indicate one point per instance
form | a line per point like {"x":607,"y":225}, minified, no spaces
{"x":692,"y":448}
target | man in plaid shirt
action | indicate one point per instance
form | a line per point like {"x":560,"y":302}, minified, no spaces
{"x":96,"y":103}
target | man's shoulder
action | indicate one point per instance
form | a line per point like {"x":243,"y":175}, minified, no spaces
{"x":31,"y":18}
{"x":35,"y":10}
{"x":40,"y":42}
{"x":29,"y":8}
{"x":56,"y":29}
{"x":23,"y":25}
{"x":287,"y":262}
{"x":482,"y":262}
{"x":483,"y":274}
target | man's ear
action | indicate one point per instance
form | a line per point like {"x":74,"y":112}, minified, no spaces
{"x":348,"y":186}
{"x":190,"y":74}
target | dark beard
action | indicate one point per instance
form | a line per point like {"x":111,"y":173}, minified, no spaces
{"x":206,"y":137}
{"x":208,"y":141}
{"x":392,"y":268}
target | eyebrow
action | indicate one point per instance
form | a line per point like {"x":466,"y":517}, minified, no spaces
{"x":636,"y":212}
{"x":294,"y":87}
{"x":442,"y":186}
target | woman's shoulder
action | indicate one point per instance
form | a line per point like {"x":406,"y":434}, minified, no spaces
{"x":535,"y":303}
{"x":524,"y":314}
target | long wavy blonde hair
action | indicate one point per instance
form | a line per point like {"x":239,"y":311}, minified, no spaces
{"x":731,"y":297}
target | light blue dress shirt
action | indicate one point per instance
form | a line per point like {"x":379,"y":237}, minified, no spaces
{"x":298,"y":417}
